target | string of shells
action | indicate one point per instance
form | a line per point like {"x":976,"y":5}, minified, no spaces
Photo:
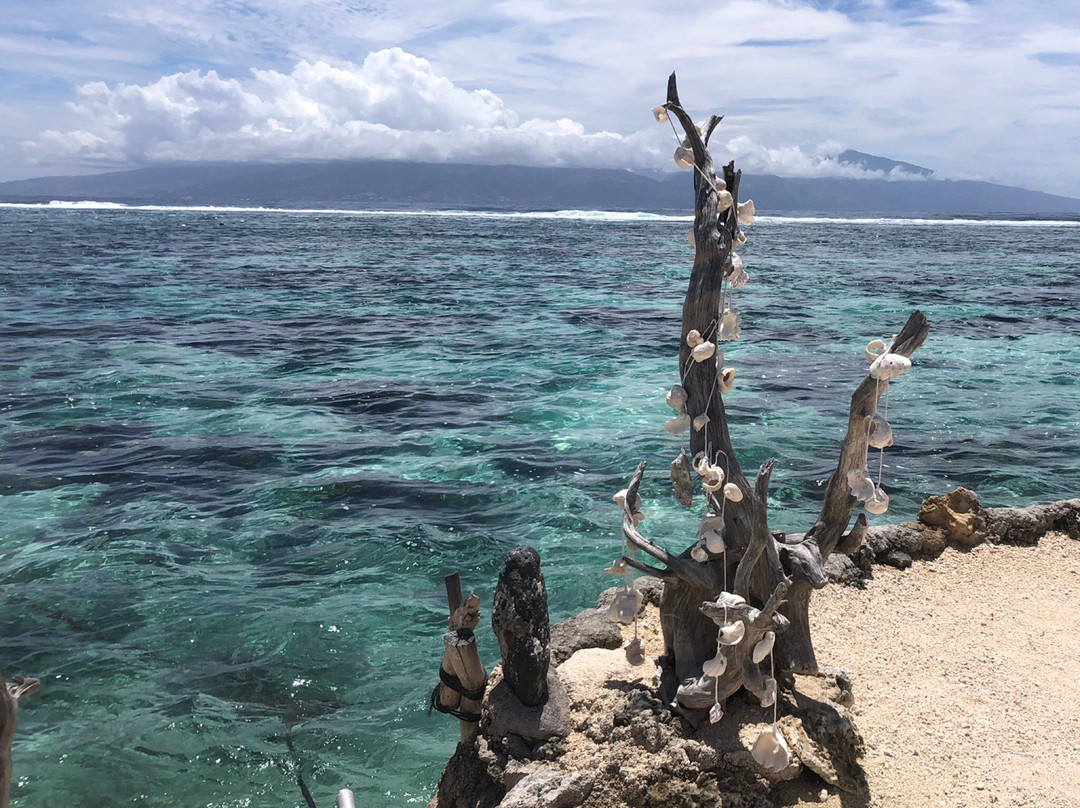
{"x":884,"y":367}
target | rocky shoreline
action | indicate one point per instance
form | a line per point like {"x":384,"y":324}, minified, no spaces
{"x":604,"y":738}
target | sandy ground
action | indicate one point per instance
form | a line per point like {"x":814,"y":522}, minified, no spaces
{"x":966,"y":675}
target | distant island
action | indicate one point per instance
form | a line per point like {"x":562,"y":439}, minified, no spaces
{"x":386,"y":185}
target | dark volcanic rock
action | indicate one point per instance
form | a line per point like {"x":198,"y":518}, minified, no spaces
{"x":519,"y":618}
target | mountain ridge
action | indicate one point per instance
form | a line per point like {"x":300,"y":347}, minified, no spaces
{"x":405,"y":185}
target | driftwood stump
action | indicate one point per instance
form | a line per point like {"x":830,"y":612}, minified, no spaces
{"x":768,"y":571}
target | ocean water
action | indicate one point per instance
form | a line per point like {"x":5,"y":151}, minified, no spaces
{"x":240,"y":449}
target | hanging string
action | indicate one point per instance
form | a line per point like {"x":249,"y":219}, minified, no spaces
{"x":881,"y":457}
{"x":776,"y":699}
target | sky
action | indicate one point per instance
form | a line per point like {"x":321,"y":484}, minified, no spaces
{"x":975,"y":90}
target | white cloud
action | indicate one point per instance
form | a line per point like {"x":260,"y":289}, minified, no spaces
{"x":393,"y":106}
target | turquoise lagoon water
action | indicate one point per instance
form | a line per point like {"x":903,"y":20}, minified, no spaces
{"x":239,"y":450}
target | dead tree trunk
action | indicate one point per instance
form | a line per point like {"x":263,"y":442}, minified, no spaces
{"x":772,"y":576}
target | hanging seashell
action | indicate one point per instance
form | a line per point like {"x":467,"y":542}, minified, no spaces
{"x":745,"y":212}
{"x":618,"y":567}
{"x":620,"y":500}
{"x":719,"y":184}
{"x":711,"y":486}
{"x":889,"y":366}
{"x":710,"y":522}
{"x":706,"y":469}
{"x":724,"y":200}
{"x":660,"y":114}
{"x":694,"y":338}
{"x":681,"y":482}
{"x":626,"y":607}
{"x":697,"y":552}
{"x":732,"y":633}
{"x":878,"y":503}
{"x":684,"y":158}
{"x":764,"y":646}
{"x":874,"y":349}
{"x":880,"y":433}
{"x":714,"y":541}
{"x":700,"y":422}
{"x":730,"y":324}
{"x":676,"y":398}
{"x":770,"y":750}
{"x":691,"y":239}
{"x":736,"y":265}
{"x":635,"y":652}
{"x":862,"y":487}
{"x":739,"y":239}
{"x":739,"y":280}
{"x":703,"y":351}
{"x":733,"y":493}
{"x":716,"y":713}
{"x":677,"y":425}
{"x":716,"y":666}
{"x":726,"y":380}
{"x":639,"y":517}
{"x":768,"y":695}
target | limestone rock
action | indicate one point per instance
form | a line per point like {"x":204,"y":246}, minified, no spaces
{"x":504,"y":716}
{"x":959,"y":515}
{"x":550,"y":788}
{"x":519,"y":618}
{"x":589,"y":629}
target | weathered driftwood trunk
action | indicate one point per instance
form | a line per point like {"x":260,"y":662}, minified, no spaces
{"x":762,"y":568}
{"x":10,"y":693}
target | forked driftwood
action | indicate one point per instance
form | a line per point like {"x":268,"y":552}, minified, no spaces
{"x":764,"y":569}
{"x":10,"y":693}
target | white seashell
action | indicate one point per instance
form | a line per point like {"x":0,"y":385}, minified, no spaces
{"x":712,"y":485}
{"x":711,"y":522}
{"x":745,"y":212}
{"x":620,"y":500}
{"x":706,"y":469}
{"x":874,"y":349}
{"x":635,"y":652}
{"x":730,"y":325}
{"x":736,"y":264}
{"x":618,"y":567}
{"x":700,"y":422}
{"x":684,"y":158}
{"x":691,"y":239}
{"x":639,"y":517}
{"x":726,"y":380}
{"x":889,"y":366}
{"x":739,"y":239}
{"x":770,"y":750}
{"x":724,"y":200}
{"x":693,"y":338}
{"x":714,"y":541}
{"x":677,"y":425}
{"x":880,"y":433}
{"x":733,"y":492}
{"x":703,"y":351}
{"x":715,"y":667}
{"x":719,"y":184}
{"x":676,"y":397}
{"x":715,"y":714}
{"x":739,"y":280}
{"x":698,"y":554}
{"x":660,"y":114}
{"x":732,"y":633}
{"x":878,"y":503}
{"x":764,"y":646}
{"x":862,"y":487}
{"x":626,"y":607}
{"x":768,"y":696}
